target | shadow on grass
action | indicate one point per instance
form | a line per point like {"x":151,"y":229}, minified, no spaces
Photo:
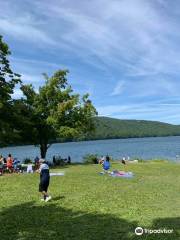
{"x":54,"y":199}
{"x":163,"y":224}
{"x":168,"y":224}
{"x":49,"y":221}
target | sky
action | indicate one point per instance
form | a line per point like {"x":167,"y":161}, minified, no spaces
{"x":124,"y":53}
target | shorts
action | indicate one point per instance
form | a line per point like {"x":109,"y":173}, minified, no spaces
{"x":43,"y":185}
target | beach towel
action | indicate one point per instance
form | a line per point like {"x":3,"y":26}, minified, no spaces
{"x":121,"y":174}
{"x":117,"y":173}
{"x":57,"y":174}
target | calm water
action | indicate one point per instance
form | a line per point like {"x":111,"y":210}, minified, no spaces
{"x":146,"y":148}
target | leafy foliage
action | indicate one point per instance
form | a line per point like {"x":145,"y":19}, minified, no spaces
{"x":90,"y":158}
{"x":8,"y":80}
{"x":55,"y":111}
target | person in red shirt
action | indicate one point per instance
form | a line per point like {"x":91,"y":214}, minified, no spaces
{"x":10,"y":163}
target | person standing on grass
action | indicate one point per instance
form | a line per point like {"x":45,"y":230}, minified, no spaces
{"x":44,"y":180}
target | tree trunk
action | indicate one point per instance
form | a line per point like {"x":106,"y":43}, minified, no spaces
{"x":43,"y":150}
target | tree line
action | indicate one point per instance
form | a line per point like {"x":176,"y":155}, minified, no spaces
{"x":110,"y":128}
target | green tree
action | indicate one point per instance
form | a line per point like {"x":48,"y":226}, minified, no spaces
{"x":55,"y":112}
{"x":8,"y":80}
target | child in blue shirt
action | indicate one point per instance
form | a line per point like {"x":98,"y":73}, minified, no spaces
{"x":106,"y":163}
{"x":44,"y":180}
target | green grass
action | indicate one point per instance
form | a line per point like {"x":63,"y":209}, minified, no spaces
{"x":87,"y":205}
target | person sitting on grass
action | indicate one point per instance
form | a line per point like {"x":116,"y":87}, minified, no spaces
{"x":1,"y":164}
{"x":29,"y":168}
{"x":16,"y":165}
{"x":123,"y":161}
{"x":69,"y":160}
{"x":106,"y":164}
{"x":10,"y":163}
{"x":101,"y":160}
{"x":44,"y":180}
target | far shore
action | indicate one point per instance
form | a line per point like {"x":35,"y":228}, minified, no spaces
{"x":88,"y":140}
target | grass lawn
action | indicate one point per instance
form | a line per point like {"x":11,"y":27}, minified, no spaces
{"x":87,"y":205}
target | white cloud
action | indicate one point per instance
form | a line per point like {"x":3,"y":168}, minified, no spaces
{"x":121,"y":33}
{"x":118,"y":88}
{"x":127,"y":33}
{"x":156,"y":112}
{"x":31,"y":79}
{"x":34,"y":62}
{"x":23,"y":30}
{"x":153,"y":86}
{"x":133,"y":40}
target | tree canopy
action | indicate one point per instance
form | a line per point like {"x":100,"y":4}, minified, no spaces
{"x":8,"y":80}
{"x":55,"y":111}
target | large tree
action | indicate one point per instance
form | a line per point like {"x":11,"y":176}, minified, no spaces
{"x":55,"y":111}
{"x":8,"y":80}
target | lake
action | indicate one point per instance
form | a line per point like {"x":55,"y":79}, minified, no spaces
{"x":145,"y":148}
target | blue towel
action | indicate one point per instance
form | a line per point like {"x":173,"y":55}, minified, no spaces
{"x":126,"y":175}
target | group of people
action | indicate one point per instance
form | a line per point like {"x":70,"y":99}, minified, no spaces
{"x":58,"y":160}
{"x":13,"y":165}
{"x":10,"y":164}
{"x":105,"y":161}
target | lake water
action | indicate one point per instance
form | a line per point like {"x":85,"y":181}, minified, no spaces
{"x":145,"y":148}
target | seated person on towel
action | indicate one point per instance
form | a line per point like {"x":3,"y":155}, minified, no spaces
{"x":106,"y":164}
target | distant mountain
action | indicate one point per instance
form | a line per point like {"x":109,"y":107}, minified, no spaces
{"x":109,"y":128}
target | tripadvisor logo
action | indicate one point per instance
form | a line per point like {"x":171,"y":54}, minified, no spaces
{"x":139,"y":231}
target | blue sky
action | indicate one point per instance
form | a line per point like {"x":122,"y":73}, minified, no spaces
{"x":125,"y":53}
